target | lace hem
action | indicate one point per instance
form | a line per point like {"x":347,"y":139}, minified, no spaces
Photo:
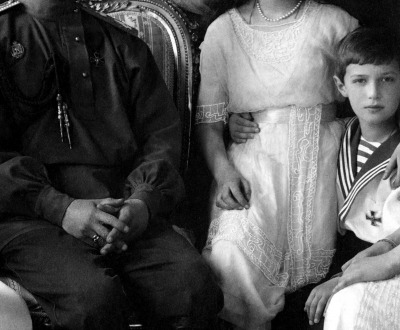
{"x":303,"y":159}
{"x":211,"y":113}
{"x":275,"y":265}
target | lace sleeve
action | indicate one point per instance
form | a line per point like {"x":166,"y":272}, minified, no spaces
{"x":211,"y":113}
{"x":213,"y":99}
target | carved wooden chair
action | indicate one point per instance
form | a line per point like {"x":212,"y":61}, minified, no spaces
{"x":173,"y":37}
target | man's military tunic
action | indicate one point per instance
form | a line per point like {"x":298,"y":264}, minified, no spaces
{"x":63,"y":70}
{"x":125,"y":130}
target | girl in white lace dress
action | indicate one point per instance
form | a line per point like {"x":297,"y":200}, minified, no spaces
{"x":273,"y":204}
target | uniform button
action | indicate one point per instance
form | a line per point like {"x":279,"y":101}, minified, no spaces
{"x":76,"y":10}
{"x":77,"y":39}
{"x":84,"y":74}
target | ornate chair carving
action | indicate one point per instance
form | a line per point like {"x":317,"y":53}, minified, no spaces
{"x":173,"y":37}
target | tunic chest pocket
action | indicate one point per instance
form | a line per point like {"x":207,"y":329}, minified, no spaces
{"x":30,"y":86}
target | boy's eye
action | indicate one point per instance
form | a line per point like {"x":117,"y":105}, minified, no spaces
{"x":388,"y":79}
{"x":359,"y":81}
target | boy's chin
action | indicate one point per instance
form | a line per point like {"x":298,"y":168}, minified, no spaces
{"x":377,"y":119}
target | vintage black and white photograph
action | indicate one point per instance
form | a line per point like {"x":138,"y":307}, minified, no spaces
{"x":199,"y":165}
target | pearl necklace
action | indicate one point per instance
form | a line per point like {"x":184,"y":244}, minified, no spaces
{"x":281,"y":17}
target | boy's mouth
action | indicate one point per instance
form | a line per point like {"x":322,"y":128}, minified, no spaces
{"x":374,"y":107}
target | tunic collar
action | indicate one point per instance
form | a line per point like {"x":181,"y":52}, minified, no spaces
{"x":48,"y":9}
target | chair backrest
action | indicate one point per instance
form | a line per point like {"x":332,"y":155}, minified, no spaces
{"x":172,"y":38}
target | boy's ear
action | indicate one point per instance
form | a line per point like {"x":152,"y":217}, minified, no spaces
{"x":340,"y":86}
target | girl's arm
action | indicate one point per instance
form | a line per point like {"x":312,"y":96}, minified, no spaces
{"x":318,"y":298}
{"x":233,"y":191}
{"x":395,"y":236}
{"x":394,"y":164}
{"x":376,"y":249}
{"x":376,"y":268}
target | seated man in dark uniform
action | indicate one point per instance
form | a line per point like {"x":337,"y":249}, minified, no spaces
{"x":89,"y":149}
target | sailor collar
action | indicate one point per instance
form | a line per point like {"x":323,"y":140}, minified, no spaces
{"x":350,"y":183}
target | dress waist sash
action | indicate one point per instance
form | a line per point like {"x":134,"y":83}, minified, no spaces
{"x":277,"y":115}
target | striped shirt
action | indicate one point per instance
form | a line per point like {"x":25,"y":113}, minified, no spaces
{"x":365,"y":150}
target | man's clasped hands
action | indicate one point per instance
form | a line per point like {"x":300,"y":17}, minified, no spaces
{"x":117,"y":222}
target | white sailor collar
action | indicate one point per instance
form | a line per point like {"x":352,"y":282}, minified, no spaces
{"x":349,"y":181}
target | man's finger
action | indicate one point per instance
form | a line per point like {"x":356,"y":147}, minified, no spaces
{"x":107,"y":249}
{"x":110,"y":209}
{"x":115,"y":236}
{"x":97,"y":240}
{"x":112,"y":201}
{"x":105,"y":233}
{"x":102,"y":232}
{"x":110,"y":205}
{"x":112,"y":221}
{"x":113,"y":248}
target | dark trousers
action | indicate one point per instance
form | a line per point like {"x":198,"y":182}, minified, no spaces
{"x":162,"y":277}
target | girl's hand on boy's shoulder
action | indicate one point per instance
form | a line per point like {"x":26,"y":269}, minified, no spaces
{"x":376,"y":249}
{"x":318,"y":298}
{"x":393,"y":165}
{"x":242,"y":127}
{"x":376,"y":268}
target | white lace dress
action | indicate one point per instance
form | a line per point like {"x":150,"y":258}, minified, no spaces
{"x":365,"y":306}
{"x":283,"y":75}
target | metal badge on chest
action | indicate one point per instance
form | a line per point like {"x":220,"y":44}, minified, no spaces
{"x":17,"y":50}
{"x":97,"y":59}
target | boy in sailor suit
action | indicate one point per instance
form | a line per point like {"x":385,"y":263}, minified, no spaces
{"x":368,"y":74}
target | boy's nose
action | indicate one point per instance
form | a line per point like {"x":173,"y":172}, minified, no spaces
{"x":374,"y":90}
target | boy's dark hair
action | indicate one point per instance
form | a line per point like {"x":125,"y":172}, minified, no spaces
{"x":367,"y":46}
